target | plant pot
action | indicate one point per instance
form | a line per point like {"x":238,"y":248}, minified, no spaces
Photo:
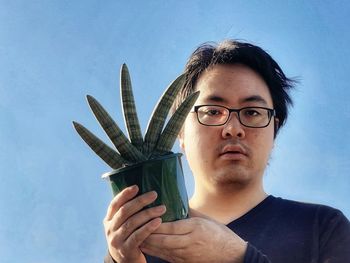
{"x":163,"y":175}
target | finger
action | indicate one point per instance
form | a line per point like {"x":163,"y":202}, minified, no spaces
{"x":195,"y":213}
{"x":180,"y":227}
{"x":139,"y":219}
{"x":121,"y":198}
{"x":137,"y":237}
{"x":132,"y":207}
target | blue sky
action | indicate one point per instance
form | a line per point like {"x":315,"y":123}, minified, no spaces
{"x":53,"y":53}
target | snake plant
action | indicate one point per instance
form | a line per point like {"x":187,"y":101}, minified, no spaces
{"x":134,"y":148}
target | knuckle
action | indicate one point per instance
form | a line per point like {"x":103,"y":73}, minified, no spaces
{"x":134,"y":239}
{"x":150,"y":212}
{"x":138,"y":236}
{"x":146,"y":199}
{"x":126,"y":227}
{"x":113,"y":240}
{"x":115,"y":200}
{"x":122,"y":212}
{"x":141,"y":201}
{"x":148,"y":228}
{"x":122,"y":215}
{"x":108,"y":231}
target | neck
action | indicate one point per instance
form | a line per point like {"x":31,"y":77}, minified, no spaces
{"x":226,"y":203}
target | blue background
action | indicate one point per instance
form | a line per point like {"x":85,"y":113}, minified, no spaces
{"x":53,"y":53}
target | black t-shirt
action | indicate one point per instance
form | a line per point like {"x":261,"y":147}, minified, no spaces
{"x":284,"y":231}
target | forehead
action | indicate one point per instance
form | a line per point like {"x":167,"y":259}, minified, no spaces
{"x":232,"y":85}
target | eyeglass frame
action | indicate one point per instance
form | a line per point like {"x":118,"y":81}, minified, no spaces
{"x":272,"y":113}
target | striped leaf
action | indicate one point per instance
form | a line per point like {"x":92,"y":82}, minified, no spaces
{"x":129,"y":108}
{"x":120,"y":141}
{"x":172,"y":129}
{"x":110,"y":156}
{"x":158,"y":117}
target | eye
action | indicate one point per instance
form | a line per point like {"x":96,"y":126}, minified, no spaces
{"x":213,"y":112}
{"x":252,"y":113}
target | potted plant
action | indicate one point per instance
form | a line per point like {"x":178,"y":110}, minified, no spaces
{"x":149,"y":161}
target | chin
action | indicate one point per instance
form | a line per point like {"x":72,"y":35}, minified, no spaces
{"x":237,"y":178}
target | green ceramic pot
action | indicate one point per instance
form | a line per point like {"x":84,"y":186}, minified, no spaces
{"x":163,"y":175}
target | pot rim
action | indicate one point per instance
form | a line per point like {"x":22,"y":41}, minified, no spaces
{"x":114,"y":171}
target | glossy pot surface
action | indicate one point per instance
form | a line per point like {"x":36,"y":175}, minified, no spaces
{"x":163,"y":175}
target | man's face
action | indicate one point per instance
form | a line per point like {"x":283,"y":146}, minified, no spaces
{"x":232,"y":153}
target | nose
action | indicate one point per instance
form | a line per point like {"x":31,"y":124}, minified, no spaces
{"x":233,"y":128}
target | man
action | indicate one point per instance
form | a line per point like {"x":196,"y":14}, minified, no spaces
{"x":227,"y":140}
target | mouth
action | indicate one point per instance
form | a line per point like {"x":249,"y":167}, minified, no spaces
{"x":233,"y":152}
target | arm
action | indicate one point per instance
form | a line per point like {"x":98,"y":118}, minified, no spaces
{"x":127,"y":225}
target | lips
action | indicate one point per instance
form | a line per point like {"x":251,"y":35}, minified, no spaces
{"x":233,"y":150}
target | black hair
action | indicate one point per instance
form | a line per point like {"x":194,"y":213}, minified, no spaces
{"x":235,"y":52}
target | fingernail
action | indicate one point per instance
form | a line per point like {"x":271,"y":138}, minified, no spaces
{"x":134,"y":188}
{"x":161,"y":208}
{"x":154,"y":194}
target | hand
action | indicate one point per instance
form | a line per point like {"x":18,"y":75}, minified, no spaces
{"x":195,"y":240}
{"x":127,"y":225}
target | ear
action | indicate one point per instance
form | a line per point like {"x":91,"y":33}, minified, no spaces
{"x":181,"y":139}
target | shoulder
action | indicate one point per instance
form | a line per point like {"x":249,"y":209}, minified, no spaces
{"x":328,"y":225}
{"x":323,"y":215}
{"x":304,"y":206}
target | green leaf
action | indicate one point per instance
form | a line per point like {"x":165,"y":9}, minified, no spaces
{"x":120,"y":141}
{"x":111,"y":157}
{"x":160,"y":113}
{"x":129,"y":108}
{"x":172,"y":129}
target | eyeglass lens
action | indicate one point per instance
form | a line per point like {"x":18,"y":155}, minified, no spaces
{"x":218,"y":115}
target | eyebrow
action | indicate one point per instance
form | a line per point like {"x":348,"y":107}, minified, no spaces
{"x":254,"y":98}
{"x":215,"y":98}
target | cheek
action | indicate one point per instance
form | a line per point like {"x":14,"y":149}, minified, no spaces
{"x":196,"y":140}
{"x":262,"y":144}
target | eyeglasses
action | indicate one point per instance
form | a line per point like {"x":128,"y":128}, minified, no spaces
{"x":216,"y":115}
